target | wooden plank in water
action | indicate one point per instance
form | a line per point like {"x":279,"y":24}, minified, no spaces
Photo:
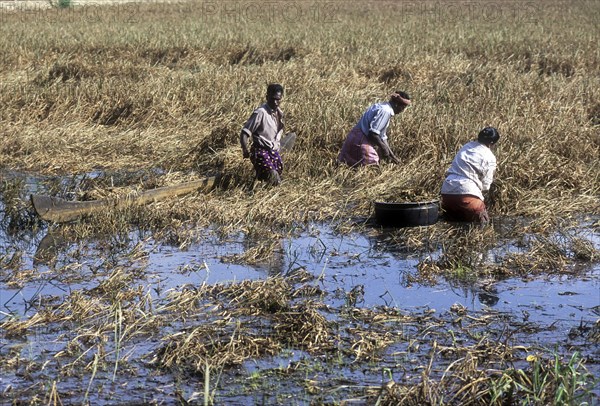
{"x":61,"y":211}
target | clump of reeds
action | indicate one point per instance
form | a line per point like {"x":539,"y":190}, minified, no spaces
{"x":203,"y":345}
{"x":466,"y":382}
{"x":304,"y":326}
{"x":230,"y":338}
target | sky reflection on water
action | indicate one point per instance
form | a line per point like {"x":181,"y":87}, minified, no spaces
{"x":343,"y":263}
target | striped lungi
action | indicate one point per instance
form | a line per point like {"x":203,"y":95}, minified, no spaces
{"x":358,"y":149}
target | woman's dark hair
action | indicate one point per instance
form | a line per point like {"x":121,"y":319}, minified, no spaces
{"x":274,"y":88}
{"x":402,"y":94}
{"x":488,"y":136}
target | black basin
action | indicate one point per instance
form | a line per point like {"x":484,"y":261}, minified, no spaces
{"x":411,"y":214}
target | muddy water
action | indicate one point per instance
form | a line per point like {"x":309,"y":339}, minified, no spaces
{"x":344,"y":262}
{"x":563,"y":307}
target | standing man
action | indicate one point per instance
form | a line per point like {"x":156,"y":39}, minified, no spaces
{"x":470,"y":174}
{"x":368,"y":139}
{"x":265,"y":127}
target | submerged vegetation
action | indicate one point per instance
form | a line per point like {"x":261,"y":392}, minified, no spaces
{"x":97,"y":101}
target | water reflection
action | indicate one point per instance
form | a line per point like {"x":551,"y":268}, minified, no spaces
{"x":377,"y":268}
{"x":48,"y":249}
{"x":488,"y":299}
{"x":266,"y":254}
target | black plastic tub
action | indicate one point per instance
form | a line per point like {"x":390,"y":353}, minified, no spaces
{"x":411,"y":214}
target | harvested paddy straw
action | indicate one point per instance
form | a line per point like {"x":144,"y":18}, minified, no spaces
{"x":104,"y":102}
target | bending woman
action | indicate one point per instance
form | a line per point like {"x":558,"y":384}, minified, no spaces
{"x":469,"y":176}
{"x":368,"y":139}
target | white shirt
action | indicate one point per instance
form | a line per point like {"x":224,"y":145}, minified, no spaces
{"x":471,"y":171}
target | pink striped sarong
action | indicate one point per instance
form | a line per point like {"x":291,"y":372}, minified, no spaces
{"x":358,"y":149}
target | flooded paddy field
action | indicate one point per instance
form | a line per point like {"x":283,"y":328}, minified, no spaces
{"x":323,"y":316}
{"x":236,"y":295}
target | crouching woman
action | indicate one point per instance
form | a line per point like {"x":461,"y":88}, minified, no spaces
{"x":469,"y":176}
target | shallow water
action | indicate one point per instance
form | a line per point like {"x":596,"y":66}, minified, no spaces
{"x":380,"y":274}
{"x":345,"y":262}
